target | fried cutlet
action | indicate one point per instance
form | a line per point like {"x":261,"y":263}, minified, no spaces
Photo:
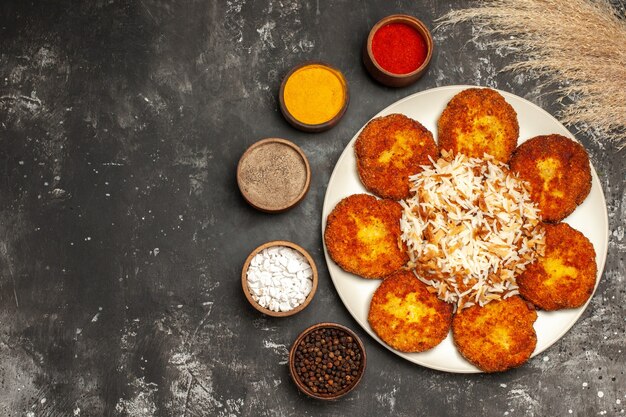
{"x":388,"y":150}
{"x":497,"y":336}
{"x":408,"y":317}
{"x":363,"y":236}
{"x":566,"y":275}
{"x":478,"y":121}
{"x":557,"y":171}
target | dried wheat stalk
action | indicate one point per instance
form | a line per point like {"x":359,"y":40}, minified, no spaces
{"x":578,"y":45}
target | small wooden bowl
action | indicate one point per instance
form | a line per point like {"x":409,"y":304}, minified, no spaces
{"x":256,"y":202}
{"x":391,"y":79}
{"x":309,"y":127}
{"x":292,"y":360}
{"x":244,"y":278}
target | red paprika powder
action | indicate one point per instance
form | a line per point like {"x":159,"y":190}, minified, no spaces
{"x":398,"y":48}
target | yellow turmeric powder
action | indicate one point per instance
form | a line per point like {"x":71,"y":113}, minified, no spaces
{"x":314,"y":94}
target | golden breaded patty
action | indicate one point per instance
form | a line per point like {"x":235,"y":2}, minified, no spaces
{"x":388,"y":150}
{"x":408,"y":317}
{"x":566,"y":275}
{"x":558,"y":172}
{"x":498,"y":336}
{"x":478,"y":121}
{"x":363,"y":236}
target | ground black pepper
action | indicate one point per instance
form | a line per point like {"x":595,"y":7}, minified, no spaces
{"x":272,"y":175}
{"x":328,"y":361}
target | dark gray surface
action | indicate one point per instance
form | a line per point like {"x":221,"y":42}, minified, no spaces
{"x":122,"y":231}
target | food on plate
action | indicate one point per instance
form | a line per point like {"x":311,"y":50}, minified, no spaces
{"x":481,"y":257}
{"x":407,"y":316}
{"x":497,"y":336}
{"x":558,"y":173}
{"x":362,"y":236}
{"x":566,"y":275}
{"x":478,"y":121}
{"x":388,"y":150}
{"x":470,"y":228}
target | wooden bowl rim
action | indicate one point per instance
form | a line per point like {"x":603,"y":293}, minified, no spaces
{"x":305,"y":127}
{"x":292,"y":353}
{"x":302,"y":193}
{"x":244,"y":278}
{"x":417,"y":25}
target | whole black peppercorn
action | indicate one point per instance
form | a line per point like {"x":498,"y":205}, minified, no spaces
{"x":328,"y":362}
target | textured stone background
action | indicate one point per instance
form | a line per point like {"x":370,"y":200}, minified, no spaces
{"x":122,"y":231}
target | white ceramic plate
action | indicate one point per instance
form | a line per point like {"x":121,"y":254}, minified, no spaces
{"x":590,"y":218}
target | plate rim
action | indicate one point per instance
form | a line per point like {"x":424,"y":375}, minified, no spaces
{"x":461,"y":87}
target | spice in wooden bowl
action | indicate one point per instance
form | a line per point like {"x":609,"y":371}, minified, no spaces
{"x":279,"y":278}
{"x":398,"y":50}
{"x":313,"y":96}
{"x":273,"y":175}
{"x":327,"y":361}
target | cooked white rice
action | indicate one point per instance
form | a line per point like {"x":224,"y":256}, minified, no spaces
{"x":470,"y":229}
